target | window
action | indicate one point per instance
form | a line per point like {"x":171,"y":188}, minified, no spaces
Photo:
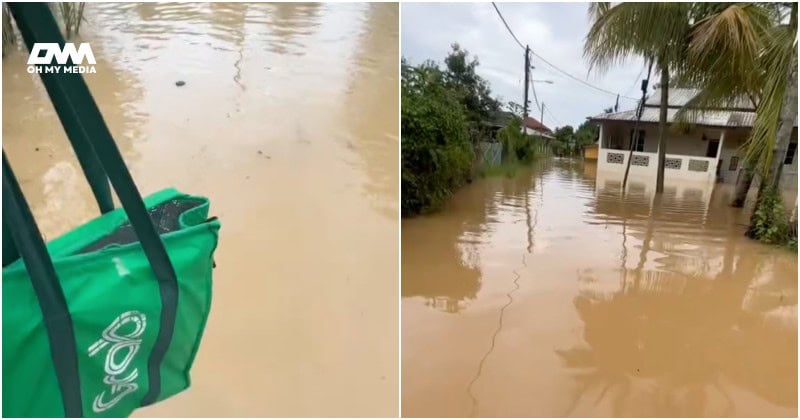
{"x":790,"y":151}
{"x":639,"y":142}
{"x":734,"y":163}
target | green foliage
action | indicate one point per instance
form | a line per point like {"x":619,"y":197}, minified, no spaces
{"x":587,"y":133}
{"x":436,"y":152}
{"x":472,"y":90}
{"x":517,"y":146}
{"x":565,"y":142}
{"x":444,"y":114}
{"x":770,"y":223}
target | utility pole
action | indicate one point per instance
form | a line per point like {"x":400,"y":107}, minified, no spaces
{"x":527,"y":80}
{"x":541,"y":120}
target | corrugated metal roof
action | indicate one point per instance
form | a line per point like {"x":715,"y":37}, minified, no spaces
{"x":737,"y":116}
{"x":709,"y":118}
{"x":679,"y":97}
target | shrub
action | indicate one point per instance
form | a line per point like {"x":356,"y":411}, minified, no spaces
{"x":770,"y":223}
{"x":517,"y":146}
{"x":436,"y":153}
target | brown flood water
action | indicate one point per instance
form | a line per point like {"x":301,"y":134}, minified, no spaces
{"x":549,"y":295}
{"x":288,"y":122}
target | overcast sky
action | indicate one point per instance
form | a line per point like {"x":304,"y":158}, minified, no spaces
{"x":555,"y":31}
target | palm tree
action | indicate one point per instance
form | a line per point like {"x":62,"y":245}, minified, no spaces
{"x":780,"y":95}
{"x":722,"y":60}
{"x":655,"y":31}
{"x":748,"y":50}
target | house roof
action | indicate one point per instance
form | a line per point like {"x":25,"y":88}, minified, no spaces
{"x":500,"y":119}
{"x":708,"y":118}
{"x":679,"y":97}
{"x":535,"y":124}
{"x":740,"y":113}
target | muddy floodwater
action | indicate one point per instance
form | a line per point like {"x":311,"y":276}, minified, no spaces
{"x":288,"y":121}
{"x":551,"y":295}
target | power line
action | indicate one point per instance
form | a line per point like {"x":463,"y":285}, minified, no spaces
{"x":507,"y":27}
{"x":550,"y":113}
{"x":539,"y":107}
{"x":577,"y":79}
{"x":637,"y":79}
{"x":580,"y":80}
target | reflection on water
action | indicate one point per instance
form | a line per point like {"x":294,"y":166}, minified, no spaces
{"x":288,"y":122}
{"x":553,"y":294}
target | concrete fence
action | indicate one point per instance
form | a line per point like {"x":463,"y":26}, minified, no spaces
{"x":693,"y":168}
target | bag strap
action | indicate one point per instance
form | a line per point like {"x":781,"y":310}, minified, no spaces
{"x":34,"y":28}
{"x":77,"y":109}
{"x":10,"y":253}
{"x":55,"y":313}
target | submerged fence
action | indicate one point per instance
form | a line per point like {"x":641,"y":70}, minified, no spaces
{"x":490,"y":153}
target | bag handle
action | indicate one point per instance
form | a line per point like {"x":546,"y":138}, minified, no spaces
{"x":34,"y":28}
{"x":55,"y":313}
{"x":77,"y":109}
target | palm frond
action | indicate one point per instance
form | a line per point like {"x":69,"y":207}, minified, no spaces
{"x":724,"y":48}
{"x":596,"y":10}
{"x":628,"y":30}
{"x":775,"y":59}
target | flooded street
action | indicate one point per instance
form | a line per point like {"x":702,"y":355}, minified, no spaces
{"x":551,"y":295}
{"x":288,"y":122}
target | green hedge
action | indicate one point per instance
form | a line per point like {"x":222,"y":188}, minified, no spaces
{"x":436,"y":152}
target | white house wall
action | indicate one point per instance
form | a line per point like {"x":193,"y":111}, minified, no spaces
{"x":618,"y":136}
{"x":685,"y":153}
{"x":734,"y":139}
{"x":789,"y":173}
{"x":645,"y":165}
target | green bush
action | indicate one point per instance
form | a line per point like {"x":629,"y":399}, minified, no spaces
{"x":517,"y":146}
{"x":770,"y":223}
{"x":436,"y":153}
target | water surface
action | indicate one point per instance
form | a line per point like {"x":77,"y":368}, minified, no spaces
{"x":288,"y":122}
{"x":551,"y":294}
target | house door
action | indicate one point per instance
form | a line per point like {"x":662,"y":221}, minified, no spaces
{"x":713,"y":146}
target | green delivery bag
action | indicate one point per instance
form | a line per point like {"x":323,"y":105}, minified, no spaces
{"x":109,"y":316}
{"x":113,"y":300}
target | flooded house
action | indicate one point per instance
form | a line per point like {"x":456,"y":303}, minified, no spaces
{"x":707,"y":150}
{"x":534,"y":127}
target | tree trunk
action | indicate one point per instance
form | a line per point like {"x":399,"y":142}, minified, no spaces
{"x":785,"y":124}
{"x":743,"y":182}
{"x":662,"y":128}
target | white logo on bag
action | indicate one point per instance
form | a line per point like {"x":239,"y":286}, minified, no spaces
{"x":126,"y":343}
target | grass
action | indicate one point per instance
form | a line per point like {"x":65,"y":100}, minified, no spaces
{"x":9,"y":35}
{"x":71,"y":15}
